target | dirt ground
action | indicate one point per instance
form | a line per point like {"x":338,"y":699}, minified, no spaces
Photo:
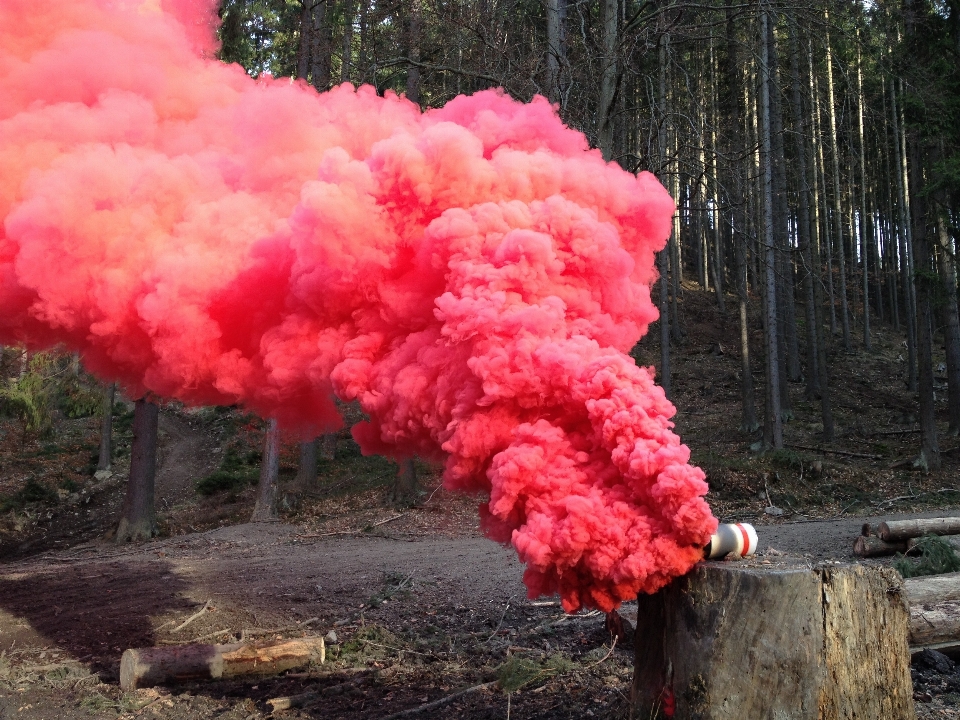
{"x":415,"y":619}
{"x":415,"y":604}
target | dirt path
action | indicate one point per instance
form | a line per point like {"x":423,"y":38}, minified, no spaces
{"x":186,"y":453}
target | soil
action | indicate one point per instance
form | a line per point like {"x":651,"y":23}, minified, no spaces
{"x":415,"y":603}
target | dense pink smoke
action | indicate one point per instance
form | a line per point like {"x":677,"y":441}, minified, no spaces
{"x":473,"y":275}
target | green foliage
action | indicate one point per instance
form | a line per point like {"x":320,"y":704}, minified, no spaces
{"x":261,"y":35}
{"x":937,"y":556}
{"x":30,"y":397}
{"x":31,"y":492}
{"x":235,"y":473}
{"x":518,"y":672}
{"x":785,"y":458}
{"x":79,"y":398}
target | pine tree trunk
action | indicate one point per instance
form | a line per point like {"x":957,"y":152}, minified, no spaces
{"x":267,"y":489}
{"x":866,"y":239}
{"x":138,"y":517}
{"x":820,"y":192}
{"x":803,"y":219}
{"x":951,"y":329}
{"x":346,"y":46}
{"x":906,"y":243}
{"x":773,"y":422}
{"x":922,"y":253}
{"x":609,"y":78}
{"x":105,"y":459}
{"x":307,"y":473}
{"x":414,"y":32}
{"x":837,"y":211}
{"x":553,"y":50}
{"x":663,"y":256}
{"x":406,"y":489}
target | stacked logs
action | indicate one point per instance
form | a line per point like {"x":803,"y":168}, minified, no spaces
{"x":934,"y":601}
{"x":901,"y":536}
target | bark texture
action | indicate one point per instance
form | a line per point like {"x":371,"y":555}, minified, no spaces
{"x":145,"y":667}
{"x":266,"y":508}
{"x":733,"y":641}
{"x":138,"y":519}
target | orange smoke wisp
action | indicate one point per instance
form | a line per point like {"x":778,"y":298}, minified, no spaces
{"x":473,"y":275}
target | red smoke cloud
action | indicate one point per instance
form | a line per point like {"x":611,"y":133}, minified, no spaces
{"x":473,"y":275}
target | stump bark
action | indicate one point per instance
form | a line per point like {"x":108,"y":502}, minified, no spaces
{"x":741,"y":640}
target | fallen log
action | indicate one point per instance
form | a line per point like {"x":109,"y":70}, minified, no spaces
{"x":934,"y":612}
{"x":145,"y":667}
{"x":893,"y":530}
{"x":749,"y":640}
{"x":870,"y":546}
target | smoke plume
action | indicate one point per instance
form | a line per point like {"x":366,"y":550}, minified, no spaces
{"x":473,"y":275}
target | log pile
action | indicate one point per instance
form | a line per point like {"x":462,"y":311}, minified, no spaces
{"x":901,"y":536}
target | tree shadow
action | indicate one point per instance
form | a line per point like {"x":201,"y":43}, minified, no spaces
{"x":94,"y":611}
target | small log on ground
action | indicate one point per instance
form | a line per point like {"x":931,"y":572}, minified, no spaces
{"x":870,"y":546}
{"x":145,"y":667}
{"x":893,"y":530}
{"x":744,"y":640}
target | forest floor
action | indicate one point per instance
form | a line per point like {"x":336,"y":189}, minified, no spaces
{"x":419,"y":604}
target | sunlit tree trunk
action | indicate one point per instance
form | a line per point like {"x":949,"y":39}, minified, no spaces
{"x":265,"y":509}
{"x":837,"y":210}
{"x":906,"y":241}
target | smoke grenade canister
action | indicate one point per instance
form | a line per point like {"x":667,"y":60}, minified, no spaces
{"x":739,"y":538}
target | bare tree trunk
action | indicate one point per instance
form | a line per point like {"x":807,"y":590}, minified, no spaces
{"x":609,"y":78}
{"x":773,"y":423}
{"x":906,"y":242}
{"x":556,"y":54}
{"x":138,"y":517}
{"x":865,"y":239}
{"x":820,"y":191}
{"x":739,"y":108}
{"x":922,"y":253}
{"x":414,"y":31}
{"x":837,"y":211}
{"x":266,"y":508}
{"x":406,"y":489}
{"x":105,"y":460}
{"x":307,"y":473}
{"x":306,"y":40}
{"x":803,"y":219}
{"x":346,"y":46}
{"x":663,"y":255}
{"x":951,"y":329}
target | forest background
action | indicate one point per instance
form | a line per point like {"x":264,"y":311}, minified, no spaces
{"x":813,"y":150}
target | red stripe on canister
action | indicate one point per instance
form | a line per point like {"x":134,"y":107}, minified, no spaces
{"x":746,"y":540}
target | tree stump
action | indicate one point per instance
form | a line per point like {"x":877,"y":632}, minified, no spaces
{"x":735,"y":640}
